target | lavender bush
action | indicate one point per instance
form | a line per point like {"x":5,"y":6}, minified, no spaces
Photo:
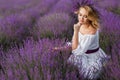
{"x":110,"y":5}
{"x":14,"y":28}
{"x":37,"y":60}
{"x":62,"y":6}
{"x":110,"y":30}
{"x":112,"y":69}
{"x":53,"y":25}
{"x":43,"y":7}
{"x":13,"y":6}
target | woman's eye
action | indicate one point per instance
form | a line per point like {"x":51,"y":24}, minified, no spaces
{"x":80,"y":15}
{"x":85,"y":16}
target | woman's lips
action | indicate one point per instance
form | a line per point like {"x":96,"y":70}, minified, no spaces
{"x":81,"y":21}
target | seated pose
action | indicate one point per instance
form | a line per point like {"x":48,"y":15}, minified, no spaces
{"x":86,"y":53}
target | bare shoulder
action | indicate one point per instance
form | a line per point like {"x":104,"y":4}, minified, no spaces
{"x":92,"y":30}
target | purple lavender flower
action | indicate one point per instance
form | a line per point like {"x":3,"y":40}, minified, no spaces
{"x":22,"y":63}
{"x":52,"y":25}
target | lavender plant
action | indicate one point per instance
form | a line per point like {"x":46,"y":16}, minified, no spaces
{"x":53,"y":25}
{"x":62,"y":6}
{"x":111,"y":72}
{"x":109,"y":30}
{"x":111,"y":4}
{"x":14,"y":28}
{"x":37,"y":60}
{"x":40,"y":9}
{"x":13,"y":6}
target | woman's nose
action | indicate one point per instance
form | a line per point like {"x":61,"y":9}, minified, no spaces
{"x":82,"y":17}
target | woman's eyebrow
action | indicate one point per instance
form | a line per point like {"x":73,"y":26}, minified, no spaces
{"x":81,"y":13}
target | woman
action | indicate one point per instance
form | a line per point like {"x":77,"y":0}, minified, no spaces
{"x":86,"y":53}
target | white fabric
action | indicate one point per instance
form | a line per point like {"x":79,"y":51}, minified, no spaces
{"x":90,"y":65}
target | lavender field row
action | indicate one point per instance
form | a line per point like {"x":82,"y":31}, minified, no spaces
{"x":30,"y":29}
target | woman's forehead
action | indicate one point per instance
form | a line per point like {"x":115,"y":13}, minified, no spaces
{"x":83,"y":11}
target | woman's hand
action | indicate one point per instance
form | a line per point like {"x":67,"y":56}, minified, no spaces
{"x":62,"y":48}
{"x":77,"y":27}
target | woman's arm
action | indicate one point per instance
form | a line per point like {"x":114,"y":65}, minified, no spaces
{"x":75,"y":40}
{"x":75,"y":36}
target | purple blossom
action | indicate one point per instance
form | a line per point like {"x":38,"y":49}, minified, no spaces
{"x":62,"y":6}
{"x":52,"y":25}
{"x":22,"y":63}
{"x":108,"y":4}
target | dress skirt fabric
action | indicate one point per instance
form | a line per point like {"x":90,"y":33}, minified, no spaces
{"x":89,"y":65}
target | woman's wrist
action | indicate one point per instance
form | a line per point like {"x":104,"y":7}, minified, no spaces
{"x":76,"y":31}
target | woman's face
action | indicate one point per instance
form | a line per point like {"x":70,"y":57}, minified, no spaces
{"x":82,"y":16}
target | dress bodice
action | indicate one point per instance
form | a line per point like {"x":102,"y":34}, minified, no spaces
{"x":93,"y":40}
{"x":87,"y":42}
